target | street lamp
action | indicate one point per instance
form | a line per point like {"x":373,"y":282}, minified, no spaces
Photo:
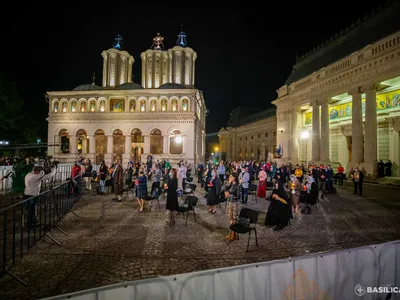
{"x":305,"y":135}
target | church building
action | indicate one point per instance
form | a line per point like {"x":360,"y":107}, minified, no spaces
{"x":165,"y":116}
{"x":341,"y":102}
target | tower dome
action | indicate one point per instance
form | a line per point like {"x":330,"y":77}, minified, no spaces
{"x":117,"y":65}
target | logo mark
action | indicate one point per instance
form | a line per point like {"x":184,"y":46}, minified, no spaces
{"x":359,"y":290}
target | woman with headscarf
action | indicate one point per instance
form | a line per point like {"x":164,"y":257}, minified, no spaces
{"x":312,"y":190}
{"x":262,"y":184}
{"x":295,"y":190}
{"x":279,"y":210}
{"x":214,"y":190}
{"x":232,"y":195}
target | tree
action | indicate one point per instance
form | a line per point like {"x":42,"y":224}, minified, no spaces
{"x":11,"y":113}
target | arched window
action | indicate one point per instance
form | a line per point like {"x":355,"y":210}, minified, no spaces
{"x":153,"y":105}
{"x":252,"y":152}
{"x":64,"y":107}
{"x":73,"y":106}
{"x":101,"y":145}
{"x":118,"y":142}
{"x":258,"y":152}
{"x":83,"y":106}
{"x":92,"y":105}
{"x":64,"y":140}
{"x":185,"y":105}
{"x":132,"y":105}
{"x":164,"y":105}
{"x":175,"y":142}
{"x":82,"y":142}
{"x":55,"y":106}
{"x":156,"y":142}
{"x":137,"y":136}
{"x":102,"y":105}
{"x":142,"y":105}
{"x":174,"y":105}
{"x":266,"y":152}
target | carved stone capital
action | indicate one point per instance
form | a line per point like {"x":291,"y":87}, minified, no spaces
{"x":369,"y":87}
{"x":354,"y":91}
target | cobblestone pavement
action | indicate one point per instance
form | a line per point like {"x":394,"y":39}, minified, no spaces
{"x":111,"y":242}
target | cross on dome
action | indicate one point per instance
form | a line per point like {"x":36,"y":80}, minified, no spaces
{"x":158,"y":42}
{"x":118,"y":40}
{"x":182,"y":38}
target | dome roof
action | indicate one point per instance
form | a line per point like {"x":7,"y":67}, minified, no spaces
{"x":129,"y":86}
{"x":88,"y":87}
{"x":172,"y":86}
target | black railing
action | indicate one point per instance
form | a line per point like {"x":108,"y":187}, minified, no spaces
{"x":25,"y":223}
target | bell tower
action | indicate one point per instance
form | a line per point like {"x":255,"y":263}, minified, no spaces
{"x":117,"y":65}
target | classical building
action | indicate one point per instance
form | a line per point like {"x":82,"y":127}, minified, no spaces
{"x":341,"y":103}
{"x":249,"y":135}
{"x":165,"y":116}
{"x":346,"y":96}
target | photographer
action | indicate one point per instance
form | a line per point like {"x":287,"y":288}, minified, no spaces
{"x":33,"y":182}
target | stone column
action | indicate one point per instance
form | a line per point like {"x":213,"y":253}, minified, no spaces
{"x":73,"y":149}
{"x":294,"y":155}
{"x":110,"y":144}
{"x":109,"y":157}
{"x":92,"y":144}
{"x":315,"y":155}
{"x":371,"y":131}
{"x":165,"y":145}
{"x":146,"y":148}
{"x":57,"y":141}
{"x":356,"y":127}
{"x":394,"y":154}
{"x":128,"y":150}
{"x":325,"y":145}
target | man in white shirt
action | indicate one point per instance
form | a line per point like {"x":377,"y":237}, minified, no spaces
{"x":33,"y":183}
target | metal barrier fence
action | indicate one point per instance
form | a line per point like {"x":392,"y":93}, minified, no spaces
{"x":344,"y":275}
{"x":25,"y":223}
{"x":63,"y":172}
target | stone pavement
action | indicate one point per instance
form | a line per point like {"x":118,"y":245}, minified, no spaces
{"x":111,"y":242}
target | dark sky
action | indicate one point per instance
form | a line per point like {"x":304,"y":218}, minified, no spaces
{"x":245,"y":53}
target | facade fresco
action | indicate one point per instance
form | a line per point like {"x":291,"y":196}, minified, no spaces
{"x":383,"y":101}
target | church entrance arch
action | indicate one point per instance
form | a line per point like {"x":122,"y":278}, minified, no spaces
{"x":118,"y":143}
{"x":82,"y":141}
{"x":64,"y":140}
{"x":137,"y":144}
{"x":156,"y":142}
{"x":101,"y":145}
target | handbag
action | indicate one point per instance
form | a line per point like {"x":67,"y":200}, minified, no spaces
{"x":245,"y":222}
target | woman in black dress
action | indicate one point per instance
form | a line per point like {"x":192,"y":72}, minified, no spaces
{"x":172,"y":196}
{"x":279,"y":211}
{"x":214,"y":190}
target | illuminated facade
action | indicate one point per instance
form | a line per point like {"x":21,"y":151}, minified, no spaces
{"x":346,"y":95}
{"x":347,"y":98}
{"x":165,"y":118}
{"x":249,"y":135}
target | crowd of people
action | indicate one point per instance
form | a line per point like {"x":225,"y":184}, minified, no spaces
{"x":286,"y":186}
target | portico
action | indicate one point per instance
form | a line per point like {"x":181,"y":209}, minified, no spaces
{"x":351,"y":109}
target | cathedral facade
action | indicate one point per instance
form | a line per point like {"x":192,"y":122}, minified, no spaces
{"x":164,"y":117}
{"x":341,"y":103}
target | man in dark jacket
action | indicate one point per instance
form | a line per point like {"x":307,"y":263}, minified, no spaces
{"x":200,"y":171}
{"x":321,"y":175}
{"x":358,"y":178}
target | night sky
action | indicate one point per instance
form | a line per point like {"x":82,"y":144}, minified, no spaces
{"x":244,"y":53}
